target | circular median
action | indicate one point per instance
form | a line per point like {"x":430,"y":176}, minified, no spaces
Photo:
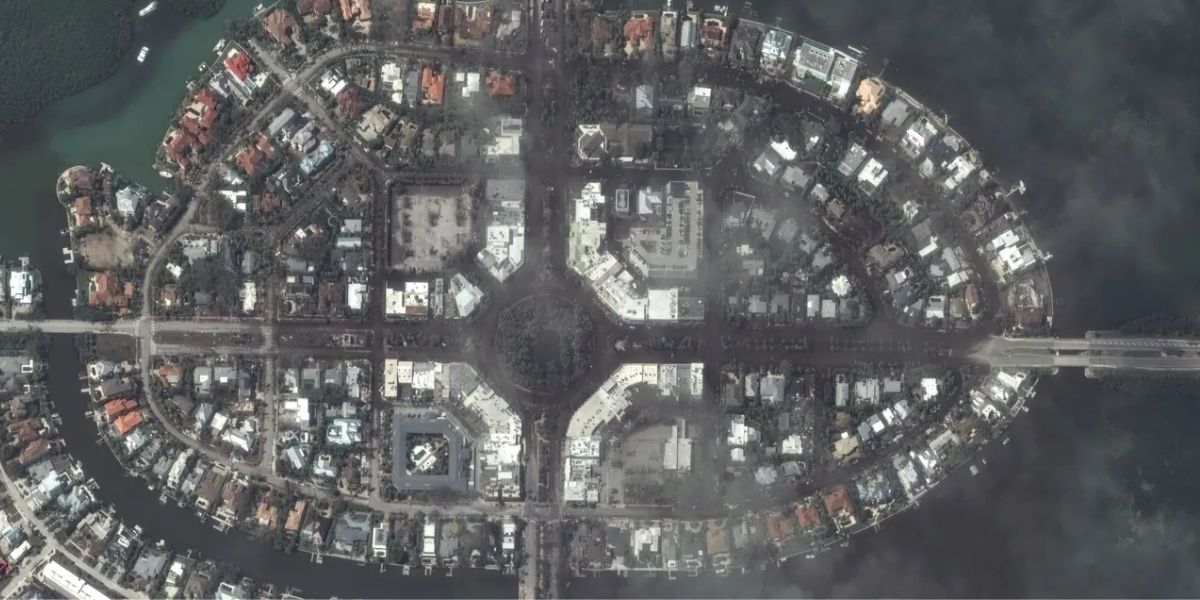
{"x":544,"y":343}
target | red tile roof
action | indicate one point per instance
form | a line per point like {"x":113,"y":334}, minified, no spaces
{"x":424,"y":17}
{"x":268,"y":202}
{"x":252,"y":155}
{"x":126,"y":422}
{"x":239,"y":65}
{"x":106,"y":291}
{"x":807,"y":515}
{"x":318,"y":8}
{"x":81,"y":179}
{"x":837,"y":501}
{"x":281,"y":26}
{"x":433,"y":86}
{"x":83,"y":208}
{"x":117,"y":407}
{"x":445,"y":18}
{"x":24,"y":431}
{"x":194,"y":125}
{"x":249,"y":159}
{"x":356,"y":9}
{"x":33,"y":452}
{"x":170,"y":373}
{"x":500,"y":84}
{"x":347,"y":102}
{"x":476,"y":26}
{"x":712,"y":33}
{"x":602,"y":31}
{"x":779,"y":528}
{"x":639,"y":31}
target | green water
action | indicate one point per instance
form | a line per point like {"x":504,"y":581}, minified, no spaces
{"x":119,"y":121}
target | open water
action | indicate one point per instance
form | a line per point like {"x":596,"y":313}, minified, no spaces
{"x":1093,"y":104}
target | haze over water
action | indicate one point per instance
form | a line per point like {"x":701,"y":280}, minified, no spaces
{"x":1093,"y":104}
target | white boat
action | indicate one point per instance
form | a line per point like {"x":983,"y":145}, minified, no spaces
{"x":149,"y":8}
{"x":142,"y":54}
{"x":166,"y":174}
{"x":220,"y":45}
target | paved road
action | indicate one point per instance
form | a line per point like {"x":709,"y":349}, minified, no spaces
{"x":547,"y":179}
{"x":69,"y":326}
{"x":51,"y":542}
{"x":1033,"y":360}
{"x":143,"y":327}
{"x":32,"y":564}
{"x":1133,"y":353}
{"x":1094,"y":344}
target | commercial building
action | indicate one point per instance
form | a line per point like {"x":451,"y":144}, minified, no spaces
{"x":482,"y":431}
{"x":615,"y":285}
{"x":668,"y":240}
{"x":629,"y":383}
{"x":504,"y":248}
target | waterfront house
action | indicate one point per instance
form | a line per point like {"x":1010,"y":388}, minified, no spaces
{"x":149,"y":568}
{"x":281,"y":26}
{"x":194,"y":130}
{"x":234,"y":497}
{"x":312,"y":534}
{"x":351,"y":533}
{"x":200,"y":584}
{"x":266,"y":515}
{"x":127,"y":422}
{"x":209,"y":491}
{"x":115,"y":387}
{"x":314,"y":13}
{"x":840,"y":507}
{"x":105,"y":290}
{"x":295,"y":519}
{"x":83,"y":212}
{"x":33,"y":452}
{"x":227,"y":590}
{"x":379,"y":541}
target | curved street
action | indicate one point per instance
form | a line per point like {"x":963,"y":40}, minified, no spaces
{"x":548,"y":179}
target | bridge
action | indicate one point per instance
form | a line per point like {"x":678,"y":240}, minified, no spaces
{"x":134,"y":327}
{"x":1095,"y":350}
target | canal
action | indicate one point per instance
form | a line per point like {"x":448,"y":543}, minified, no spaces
{"x":119,"y":121}
{"x":135,"y":503}
{"x":1050,"y":512}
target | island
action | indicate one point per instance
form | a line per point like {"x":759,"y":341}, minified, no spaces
{"x":458,"y":286}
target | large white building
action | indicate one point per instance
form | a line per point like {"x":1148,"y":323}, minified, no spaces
{"x":813,"y":61}
{"x":504,"y":249}
{"x":457,"y":388}
{"x":583,"y":446}
{"x":619,"y":290}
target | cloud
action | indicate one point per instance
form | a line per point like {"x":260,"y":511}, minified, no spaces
{"x":1095,"y":105}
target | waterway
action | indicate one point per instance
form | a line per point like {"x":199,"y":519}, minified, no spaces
{"x":135,"y":503}
{"x":119,"y":121}
{"x":1090,"y":104}
{"x":1093,"y":104}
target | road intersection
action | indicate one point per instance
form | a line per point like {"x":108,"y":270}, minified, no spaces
{"x":276,"y":339}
